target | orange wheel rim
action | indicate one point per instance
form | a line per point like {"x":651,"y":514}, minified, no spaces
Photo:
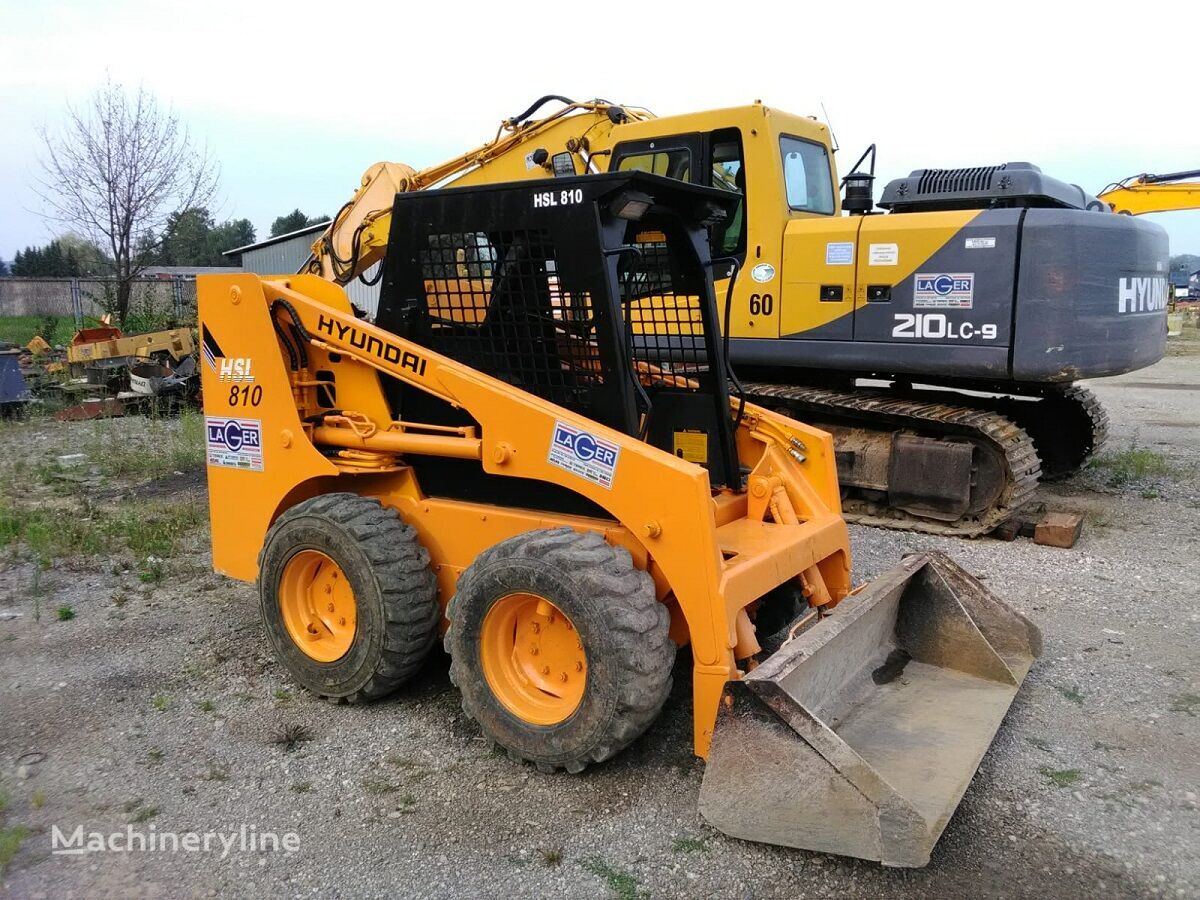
{"x":318,"y":607}
{"x":533,"y":658}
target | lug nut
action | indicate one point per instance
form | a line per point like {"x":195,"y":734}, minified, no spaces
{"x":533,"y":651}
{"x":545,"y":670}
{"x":329,"y":608}
{"x":578,"y":667}
{"x":562,"y":676}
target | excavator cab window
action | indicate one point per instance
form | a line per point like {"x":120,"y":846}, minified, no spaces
{"x":674,"y":163}
{"x":727,"y":172}
{"x":806,"y":176}
{"x":713,"y":159}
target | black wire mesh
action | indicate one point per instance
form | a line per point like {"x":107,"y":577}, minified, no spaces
{"x":663,"y":313}
{"x":496,"y":302}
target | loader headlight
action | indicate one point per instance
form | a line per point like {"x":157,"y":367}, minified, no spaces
{"x":563,"y":164}
{"x":631,"y":205}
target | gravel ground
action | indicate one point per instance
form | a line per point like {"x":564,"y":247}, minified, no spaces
{"x":159,"y":705}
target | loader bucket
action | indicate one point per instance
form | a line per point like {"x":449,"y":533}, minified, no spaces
{"x":860,"y":736}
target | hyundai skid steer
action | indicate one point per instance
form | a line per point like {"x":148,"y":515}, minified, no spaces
{"x":533,"y":453}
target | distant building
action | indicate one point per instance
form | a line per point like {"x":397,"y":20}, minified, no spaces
{"x":1194,"y":285}
{"x":287,"y":253}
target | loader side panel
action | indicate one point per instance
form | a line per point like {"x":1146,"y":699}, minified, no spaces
{"x":1092,"y":295}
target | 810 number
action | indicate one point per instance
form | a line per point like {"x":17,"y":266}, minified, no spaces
{"x":244,"y":395}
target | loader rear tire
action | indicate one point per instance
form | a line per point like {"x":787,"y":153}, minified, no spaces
{"x":570,"y":583}
{"x":377,"y":579}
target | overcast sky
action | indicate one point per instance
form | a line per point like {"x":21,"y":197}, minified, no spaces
{"x":296,"y":99}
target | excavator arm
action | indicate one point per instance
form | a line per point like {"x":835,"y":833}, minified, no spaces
{"x":356,"y":238}
{"x":1147,"y":193}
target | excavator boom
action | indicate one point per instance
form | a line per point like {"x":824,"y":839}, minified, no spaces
{"x":1148,"y":193}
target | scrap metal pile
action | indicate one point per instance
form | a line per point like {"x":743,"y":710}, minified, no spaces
{"x":101,"y":373}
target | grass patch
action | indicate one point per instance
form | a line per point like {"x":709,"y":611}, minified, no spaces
{"x":64,"y":614}
{"x":282,"y":696}
{"x":147,"y":529}
{"x":1135,"y":464}
{"x":155,"y":756}
{"x":22,"y":329}
{"x":380,"y":786}
{"x":160,"y":702}
{"x":164,"y":447}
{"x":1041,"y":743}
{"x":144,"y":814}
{"x":38,"y":800}
{"x":206,"y":706}
{"x":216,"y":773}
{"x":1071,"y":693}
{"x":1186,"y":703}
{"x":551,"y":856}
{"x":301,"y":787}
{"x":289,"y":737}
{"x":1060,"y":777}
{"x":623,"y":885}
{"x":690,"y":845}
{"x":10,"y":842}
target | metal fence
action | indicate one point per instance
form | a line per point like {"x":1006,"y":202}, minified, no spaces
{"x":87,"y":299}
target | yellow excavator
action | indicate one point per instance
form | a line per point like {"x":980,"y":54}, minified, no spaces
{"x":539,"y":453}
{"x":940,"y":343}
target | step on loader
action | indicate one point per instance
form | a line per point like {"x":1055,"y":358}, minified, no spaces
{"x":534,"y":454}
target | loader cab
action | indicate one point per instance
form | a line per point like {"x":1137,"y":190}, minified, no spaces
{"x":594,"y":295}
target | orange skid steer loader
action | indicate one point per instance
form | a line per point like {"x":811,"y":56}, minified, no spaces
{"x":533,"y":451}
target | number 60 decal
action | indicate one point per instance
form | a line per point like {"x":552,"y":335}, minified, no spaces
{"x":761,"y":304}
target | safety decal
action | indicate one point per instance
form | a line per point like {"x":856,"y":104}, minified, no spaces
{"x":234,"y":443}
{"x":883,"y":255}
{"x":839,"y":253}
{"x":942,"y":290}
{"x":584,"y":454}
{"x":980,"y":243}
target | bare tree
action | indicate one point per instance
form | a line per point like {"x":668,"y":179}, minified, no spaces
{"x":117,"y":169}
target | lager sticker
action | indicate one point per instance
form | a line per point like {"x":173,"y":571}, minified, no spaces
{"x":234,"y":443}
{"x":584,"y":454}
{"x":942,"y":290}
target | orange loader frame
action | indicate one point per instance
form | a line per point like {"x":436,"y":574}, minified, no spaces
{"x":712,"y":553}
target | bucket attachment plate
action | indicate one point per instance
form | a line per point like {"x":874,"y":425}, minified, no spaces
{"x":860,"y":736}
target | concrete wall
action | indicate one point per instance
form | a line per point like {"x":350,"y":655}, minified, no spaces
{"x":55,"y":296}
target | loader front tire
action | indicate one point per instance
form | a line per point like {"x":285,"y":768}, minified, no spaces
{"x":347,"y":596}
{"x":559,"y":647}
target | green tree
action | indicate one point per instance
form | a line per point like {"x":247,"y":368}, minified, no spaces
{"x":191,"y":238}
{"x":294,"y":221}
{"x":3,"y":268}
{"x":226,"y":236}
{"x":66,"y":257}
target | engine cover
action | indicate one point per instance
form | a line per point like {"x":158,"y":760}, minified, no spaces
{"x":1008,"y":185}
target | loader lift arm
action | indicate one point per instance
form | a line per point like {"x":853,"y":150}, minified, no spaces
{"x":1146,"y":193}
